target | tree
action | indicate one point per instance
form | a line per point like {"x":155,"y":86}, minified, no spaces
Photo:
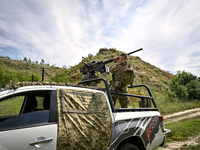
{"x":25,"y":59}
{"x":186,"y":85}
{"x":64,"y":67}
{"x":42,"y":62}
{"x":193,"y":88}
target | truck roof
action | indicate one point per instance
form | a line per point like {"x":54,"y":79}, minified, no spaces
{"x":10,"y":90}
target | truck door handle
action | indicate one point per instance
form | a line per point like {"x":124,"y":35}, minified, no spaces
{"x":41,"y":141}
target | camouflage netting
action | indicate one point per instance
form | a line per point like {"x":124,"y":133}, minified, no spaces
{"x":21,"y":84}
{"x":84,"y":120}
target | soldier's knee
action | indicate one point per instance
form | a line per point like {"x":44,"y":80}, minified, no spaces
{"x":124,"y":103}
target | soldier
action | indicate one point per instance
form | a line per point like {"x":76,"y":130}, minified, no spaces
{"x":88,"y":76}
{"x":122,"y":75}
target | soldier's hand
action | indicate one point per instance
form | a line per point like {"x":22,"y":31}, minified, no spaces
{"x":116,"y":58}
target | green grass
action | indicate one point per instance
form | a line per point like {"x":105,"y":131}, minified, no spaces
{"x":182,"y":130}
{"x":172,"y":107}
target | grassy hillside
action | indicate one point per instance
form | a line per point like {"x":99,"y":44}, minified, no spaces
{"x":145,"y":73}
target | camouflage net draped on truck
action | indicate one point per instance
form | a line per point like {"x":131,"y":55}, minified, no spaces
{"x":81,"y":120}
{"x":17,"y":85}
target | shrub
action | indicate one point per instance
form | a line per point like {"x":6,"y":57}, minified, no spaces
{"x":186,"y":86}
{"x":42,"y":62}
{"x":25,"y":59}
{"x":7,"y":75}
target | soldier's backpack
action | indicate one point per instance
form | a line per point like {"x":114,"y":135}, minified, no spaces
{"x":128,"y":75}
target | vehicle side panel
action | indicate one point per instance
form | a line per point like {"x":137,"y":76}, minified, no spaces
{"x":20,"y":138}
{"x":146,"y":127}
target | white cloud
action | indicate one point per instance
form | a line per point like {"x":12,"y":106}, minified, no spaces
{"x":61,"y":32}
{"x":164,"y":29}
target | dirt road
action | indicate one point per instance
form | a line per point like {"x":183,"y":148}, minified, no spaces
{"x":177,"y":144}
{"x":192,"y":113}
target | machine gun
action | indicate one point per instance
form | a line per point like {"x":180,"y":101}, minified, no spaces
{"x":101,"y":67}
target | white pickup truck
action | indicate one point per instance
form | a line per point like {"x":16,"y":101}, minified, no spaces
{"x":50,"y":117}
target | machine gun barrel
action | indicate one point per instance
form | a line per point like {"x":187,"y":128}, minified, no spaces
{"x":135,"y":51}
{"x":108,"y":61}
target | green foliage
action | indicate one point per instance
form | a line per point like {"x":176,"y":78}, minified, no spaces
{"x":35,"y":77}
{"x":42,"y":62}
{"x":60,"y":77}
{"x":25,"y":59}
{"x":186,"y":86}
{"x":175,"y":105}
{"x":194,"y":89}
{"x":7,"y":75}
{"x":6,"y":57}
{"x":64,"y":67}
{"x":182,"y":130}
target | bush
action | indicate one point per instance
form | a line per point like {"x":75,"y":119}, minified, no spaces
{"x":42,"y":62}
{"x":60,"y":77}
{"x":25,"y":59}
{"x":186,"y":86}
{"x":193,"y":88}
{"x":7,"y":75}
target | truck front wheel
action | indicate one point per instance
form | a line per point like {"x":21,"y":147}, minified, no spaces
{"x":128,"y":146}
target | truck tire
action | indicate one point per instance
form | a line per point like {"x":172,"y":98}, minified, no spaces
{"x":128,"y":146}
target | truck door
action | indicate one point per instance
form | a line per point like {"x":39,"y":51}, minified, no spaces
{"x":25,"y":122}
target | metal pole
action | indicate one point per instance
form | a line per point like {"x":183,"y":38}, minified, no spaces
{"x":42,"y":74}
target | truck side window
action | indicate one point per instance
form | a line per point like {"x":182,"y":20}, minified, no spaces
{"x":23,"y":110}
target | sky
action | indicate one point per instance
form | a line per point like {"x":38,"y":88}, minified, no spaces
{"x":61,"y":32}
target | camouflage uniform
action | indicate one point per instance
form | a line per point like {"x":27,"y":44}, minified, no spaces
{"x":87,"y":77}
{"x":116,"y":83}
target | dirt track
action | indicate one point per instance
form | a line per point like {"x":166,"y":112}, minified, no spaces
{"x":177,"y":145}
{"x":192,"y":113}
{"x":181,"y":113}
{"x":177,"y":116}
